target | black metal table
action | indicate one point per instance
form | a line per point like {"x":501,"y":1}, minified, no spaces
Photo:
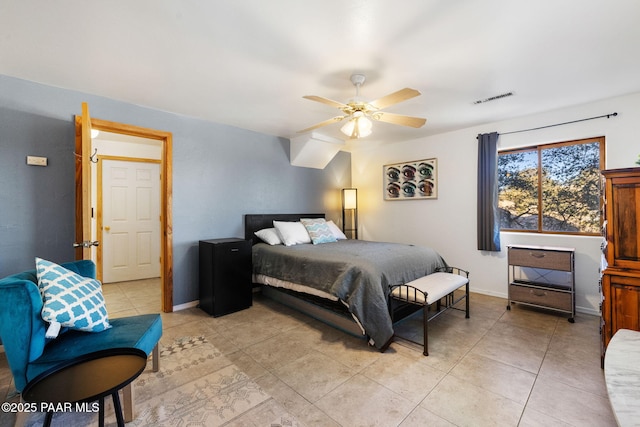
{"x":87,"y":378}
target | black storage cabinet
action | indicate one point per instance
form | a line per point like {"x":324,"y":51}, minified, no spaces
{"x":225,"y":275}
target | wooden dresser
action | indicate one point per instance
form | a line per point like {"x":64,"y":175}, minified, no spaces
{"x":621,"y":276}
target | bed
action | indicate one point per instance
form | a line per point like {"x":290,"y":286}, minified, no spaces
{"x":344,"y":283}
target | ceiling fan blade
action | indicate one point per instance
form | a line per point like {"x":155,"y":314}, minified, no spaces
{"x":397,"y":119}
{"x":394,"y":98}
{"x":326,"y":122}
{"x":326,"y":101}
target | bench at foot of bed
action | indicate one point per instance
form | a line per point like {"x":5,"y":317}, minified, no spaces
{"x":437,"y":288}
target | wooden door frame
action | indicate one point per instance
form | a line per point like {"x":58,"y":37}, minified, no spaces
{"x":166,"y":195}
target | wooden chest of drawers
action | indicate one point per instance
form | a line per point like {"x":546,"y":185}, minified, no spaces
{"x":621,"y":278}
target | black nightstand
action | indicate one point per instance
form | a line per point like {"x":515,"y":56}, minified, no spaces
{"x":225,"y":275}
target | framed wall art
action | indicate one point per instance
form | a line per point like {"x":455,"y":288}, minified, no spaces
{"x":411,"y":180}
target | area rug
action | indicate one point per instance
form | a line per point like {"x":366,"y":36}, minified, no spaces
{"x":195,"y":386}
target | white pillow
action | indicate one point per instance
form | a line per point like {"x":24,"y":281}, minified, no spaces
{"x":336,"y":231}
{"x":292,"y":233}
{"x":269,"y":235}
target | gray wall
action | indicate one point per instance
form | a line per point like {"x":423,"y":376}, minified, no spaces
{"x":219,"y":174}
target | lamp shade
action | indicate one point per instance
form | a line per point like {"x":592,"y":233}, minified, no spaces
{"x":348,"y":127}
{"x":349,"y":198}
{"x":358,"y":126}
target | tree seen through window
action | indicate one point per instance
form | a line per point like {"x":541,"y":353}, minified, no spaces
{"x":553,"y":188}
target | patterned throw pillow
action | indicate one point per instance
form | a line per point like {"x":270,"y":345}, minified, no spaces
{"x":319,"y":230}
{"x":70,"y":300}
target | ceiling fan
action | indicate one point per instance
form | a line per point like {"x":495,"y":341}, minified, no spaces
{"x":360,"y":113}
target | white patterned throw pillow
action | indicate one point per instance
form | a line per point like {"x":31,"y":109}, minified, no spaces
{"x":319,"y":230}
{"x":70,"y":300}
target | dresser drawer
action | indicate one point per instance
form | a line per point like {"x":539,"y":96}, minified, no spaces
{"x":541,"y":296}
{"x":540,"y":258}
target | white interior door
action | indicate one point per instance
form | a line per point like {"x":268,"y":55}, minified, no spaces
{"x":131,"y":220}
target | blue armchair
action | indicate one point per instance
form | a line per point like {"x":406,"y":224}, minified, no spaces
{"x":29,"y":353}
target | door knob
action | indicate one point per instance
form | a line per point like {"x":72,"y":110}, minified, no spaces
{"x":107,"y":228}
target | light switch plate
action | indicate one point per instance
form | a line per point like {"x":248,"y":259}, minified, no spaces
{"x":36,"y":161}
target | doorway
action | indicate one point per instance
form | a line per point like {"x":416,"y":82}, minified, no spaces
{"x":166,"y":247}
{"x":128,"y":218}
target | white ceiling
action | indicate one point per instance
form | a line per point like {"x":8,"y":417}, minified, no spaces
{"x":248,"y":63}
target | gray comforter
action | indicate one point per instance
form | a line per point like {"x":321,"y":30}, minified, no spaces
{"x":357,"y":272}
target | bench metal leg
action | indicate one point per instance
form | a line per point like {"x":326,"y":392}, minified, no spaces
{"x":466,"y":299}
{"x":425,"y":320}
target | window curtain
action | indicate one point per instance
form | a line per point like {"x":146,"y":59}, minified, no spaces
{"x":488,"y":217}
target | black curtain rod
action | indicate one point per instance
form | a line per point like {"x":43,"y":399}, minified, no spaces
{"x":560,"y":124}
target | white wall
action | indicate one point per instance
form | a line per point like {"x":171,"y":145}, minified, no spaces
{"x":448,"y":223}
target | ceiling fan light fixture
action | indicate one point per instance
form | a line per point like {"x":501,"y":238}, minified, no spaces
{"x":364,"y":126}
{"x":358,"y":126}
{"x":348,"y":127}
{"x":359,"y":113}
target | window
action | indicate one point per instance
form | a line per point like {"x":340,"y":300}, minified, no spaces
{"x":551,"y":188}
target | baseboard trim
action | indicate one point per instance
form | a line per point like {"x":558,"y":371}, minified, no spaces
{"x":186,"y":305}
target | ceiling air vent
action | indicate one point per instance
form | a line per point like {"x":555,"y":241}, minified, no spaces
{"x":493,"y":98}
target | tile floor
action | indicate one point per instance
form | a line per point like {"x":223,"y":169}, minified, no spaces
{"x":498,"y":368}
{"x":132,"y":298}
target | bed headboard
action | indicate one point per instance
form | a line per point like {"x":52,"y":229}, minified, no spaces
{"x":255,"y":222}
